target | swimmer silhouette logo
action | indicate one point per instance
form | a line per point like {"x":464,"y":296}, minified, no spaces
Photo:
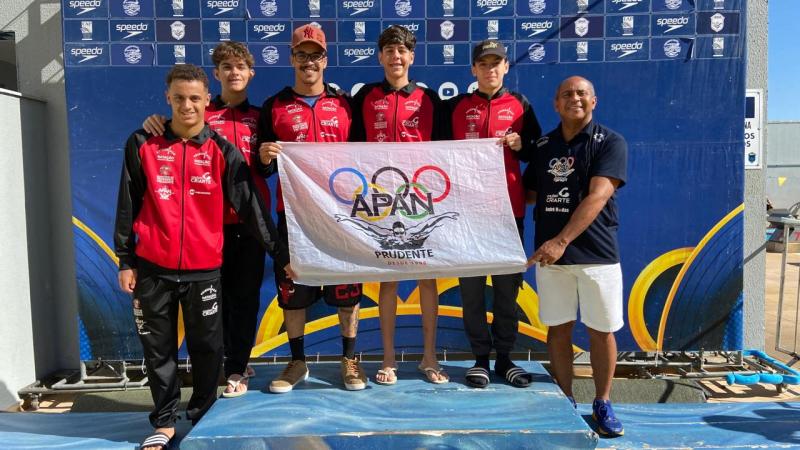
{"x":398,"y":212}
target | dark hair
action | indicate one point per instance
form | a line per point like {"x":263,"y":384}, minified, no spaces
{"x":235,"y":49}
{"x":188,"y":72}
{"x":396,"y":34}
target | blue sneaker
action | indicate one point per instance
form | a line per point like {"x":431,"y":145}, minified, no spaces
{"x":607,"y":422}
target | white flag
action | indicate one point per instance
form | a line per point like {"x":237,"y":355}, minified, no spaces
{"x":359,"y":212}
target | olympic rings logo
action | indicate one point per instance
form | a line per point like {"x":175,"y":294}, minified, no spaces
{"x":565,"y":162}
{"x":562,"y":167}
{"x":411,"y":197}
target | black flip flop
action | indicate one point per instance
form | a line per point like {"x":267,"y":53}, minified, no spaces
{"x":477,"y":377}
{"x":518,"y":377}
{"x":157,"y":439}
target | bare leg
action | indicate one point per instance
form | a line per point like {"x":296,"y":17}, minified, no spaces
{"x":559,"y":347}
{"x":295,"y":322}
{"x":429,"y":303}
{"x":387,"y":312}
{"x":348,"y":321}
{"x":603,"y":356}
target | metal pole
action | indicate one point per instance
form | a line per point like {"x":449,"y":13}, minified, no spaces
{"x":796,"y":307}
{"x":788,"y":227}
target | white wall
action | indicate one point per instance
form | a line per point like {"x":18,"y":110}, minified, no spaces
{"x":754,"y":195}
{"x":17,"y":366}
{"x":50,"y":260}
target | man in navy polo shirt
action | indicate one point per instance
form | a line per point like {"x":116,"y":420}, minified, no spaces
{"x":573,"y":179}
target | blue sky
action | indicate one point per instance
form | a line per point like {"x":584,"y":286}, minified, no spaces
{"x":784,"y":60}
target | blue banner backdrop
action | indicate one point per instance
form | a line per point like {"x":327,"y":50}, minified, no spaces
{"x":670,"y":77}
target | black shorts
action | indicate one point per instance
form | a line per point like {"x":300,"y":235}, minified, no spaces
{"x":298,"y":296}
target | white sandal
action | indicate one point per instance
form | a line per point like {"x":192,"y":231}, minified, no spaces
{"x":234,"y":384}
{"x":389,"y":376}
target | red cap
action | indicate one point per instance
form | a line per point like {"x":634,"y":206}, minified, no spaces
{"x":309,"y":33}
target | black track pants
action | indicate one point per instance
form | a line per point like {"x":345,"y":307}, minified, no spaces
{"x":242,"y":274}
{"x":155,"y":310}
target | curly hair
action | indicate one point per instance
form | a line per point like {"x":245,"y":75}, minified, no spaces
{"x":235,"y":49}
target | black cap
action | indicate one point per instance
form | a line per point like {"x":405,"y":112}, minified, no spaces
{"x":488,"y":47}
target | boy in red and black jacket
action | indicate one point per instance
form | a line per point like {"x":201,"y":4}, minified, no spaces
{"x":169,"y":239}
{"x":232,"y":116}
{"x":309,"y":111}
{"x":397,"y":109}
{"x":492,"y":111}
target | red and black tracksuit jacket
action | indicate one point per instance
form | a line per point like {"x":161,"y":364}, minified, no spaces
{"x":476,"y":115}
{"x":385,"y":114}
{"x":238,"y":124}
{"x":171,"y":204}
{"x":287,"y":117}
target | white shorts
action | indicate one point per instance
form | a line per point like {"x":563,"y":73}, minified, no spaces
{"x":595,"y":288}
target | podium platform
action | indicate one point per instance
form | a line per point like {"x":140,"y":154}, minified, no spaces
{"x":412,"y":414}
